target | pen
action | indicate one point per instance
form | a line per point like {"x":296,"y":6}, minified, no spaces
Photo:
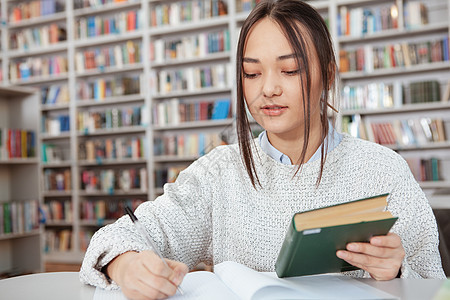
{"x":149,"y":241}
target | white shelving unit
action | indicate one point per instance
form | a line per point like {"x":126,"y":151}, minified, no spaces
{"x":148,"y":96}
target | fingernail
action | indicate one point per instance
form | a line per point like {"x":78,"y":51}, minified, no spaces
{"x":352,"y":247}
{"x":179,"y":278}
{"x":341,"y":254}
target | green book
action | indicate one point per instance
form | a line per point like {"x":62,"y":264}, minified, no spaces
{"x":314,"y":236}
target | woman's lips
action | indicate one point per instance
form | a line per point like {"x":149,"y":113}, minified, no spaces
{"x":273,"y":110}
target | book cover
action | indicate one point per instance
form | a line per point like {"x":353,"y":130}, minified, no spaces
{"x":313,"y":249}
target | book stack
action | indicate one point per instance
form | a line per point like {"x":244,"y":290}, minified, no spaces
{"x":17,"y":143}
{"x":167,"y":175}
{"x":195,"y":144}
{"x":112,"y":149}
{"x":194,"y":78}
{"x":110,"y":180}
{"x":424,"y":91}
{"x":55,"y":94}
{"x":120,"y":23}
{"x":176,"y":111}
{"x":186,"y":11}
{"x":199,"y":45}
{"x":372,"y":96}
{"x":361,"y":21}
{"x":101,"y":210}
{"x":77,"y":4}
{"x":56,"y":180}
{"x":88,"y":121}
{"x":369,"y":58}
{"x":35,"y":9}
{"x":54,"y":153}
{"x":415,"y":15}
{"x":112,"y":56}
{"x":55,"y":125}
{"x":101,"y":88}
{"x":58,"y":241}
{"x":19,"y":216}
{"x":425,"y":169}
{"x":33,"y":38}
{"x":58,"y":210}
{"x":32,"y":67}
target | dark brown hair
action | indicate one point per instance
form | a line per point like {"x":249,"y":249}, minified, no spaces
{"x":289,"y":14}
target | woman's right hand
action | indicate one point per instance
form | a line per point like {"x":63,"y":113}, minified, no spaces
{"x":143,"y":275}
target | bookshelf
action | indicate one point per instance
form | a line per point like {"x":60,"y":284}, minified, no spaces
{"x":20,"y":230}
{"x":171,"y":75}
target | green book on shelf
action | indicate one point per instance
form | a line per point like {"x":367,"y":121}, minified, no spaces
{"x":314,"y":236}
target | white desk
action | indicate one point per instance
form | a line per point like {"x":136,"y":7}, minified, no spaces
{"x":67,"y":286}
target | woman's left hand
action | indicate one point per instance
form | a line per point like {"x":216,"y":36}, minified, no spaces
{"x":381,"y":258}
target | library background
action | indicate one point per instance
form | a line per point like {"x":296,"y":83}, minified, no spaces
{"x":104,"y":101}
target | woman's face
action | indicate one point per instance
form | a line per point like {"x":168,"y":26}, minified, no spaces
{"x":272,"y":84}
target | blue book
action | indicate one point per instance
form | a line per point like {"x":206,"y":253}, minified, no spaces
{"x":221,"y":109}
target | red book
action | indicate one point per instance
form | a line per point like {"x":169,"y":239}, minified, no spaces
{"x":131,"y":20}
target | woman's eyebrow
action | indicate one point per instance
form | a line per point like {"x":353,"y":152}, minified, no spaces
{"x":257,"y":61}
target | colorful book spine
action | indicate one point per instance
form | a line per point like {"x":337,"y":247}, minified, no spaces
{"x":35,"y":67}
{"x":109,"y":87}
{"x":110,"y":149}
{"x":16,"y":143}
{"x":110,"y":180}
{"x":36,"y":37}
{"x":19,"y":217}
{"x":57,"y":180}
{"x":34,"y":9}
{"x":188,"y":144}
{"x":89,"y":121}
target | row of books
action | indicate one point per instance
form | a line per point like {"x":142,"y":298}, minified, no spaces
{"x":111,"y":180}
{"x":106,"y":209}
{"x":54,"y":153}
{"x":176,"y":111}
{"x":167,"y":175}
{"x":102,"y":88}
{"x":407,"y":132}
{"x":57,"y":180}
{"x":19,"y":216}
{"x":33,"y":67}
{"x":36,"y":37}
{"x":425,"y":169}
{"x":55,"y":94}
{"x":415,"y":14}
{"x":17,"y":143}
{"x":246,"y":5}
{"x":194,"y":78}
{"x":194,"y":144}
{"x":369,"y":57}
{"x":112,"y":149}
{"x":360,"y":21}
{"x":110,"y":56}
{"x":55,"y":125}
{"x":78,"y":4}
{"x":85,"y":237}
{"x":385,"y":95}
{"x":89,"y":121}
{"x":199,"y":45}
{"x":57,"y":210}
{"x":34,"y":9}
{"x":119,"y":23}
{"x":57,"y":240}
{"x":186,"y":11}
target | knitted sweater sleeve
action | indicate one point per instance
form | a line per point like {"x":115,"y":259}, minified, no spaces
{"x":179,"y":222}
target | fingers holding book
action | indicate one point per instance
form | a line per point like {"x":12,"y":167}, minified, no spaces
{"x":381,"y":258}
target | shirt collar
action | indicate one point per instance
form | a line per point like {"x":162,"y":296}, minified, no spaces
{"x":333,"y":139}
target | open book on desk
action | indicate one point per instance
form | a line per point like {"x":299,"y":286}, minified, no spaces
{"x":233,"y":281}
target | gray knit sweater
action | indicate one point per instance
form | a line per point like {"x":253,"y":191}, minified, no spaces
{"x":213,"y":214}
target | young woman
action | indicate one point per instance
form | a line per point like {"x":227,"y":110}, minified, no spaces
{"x":236,"y":202}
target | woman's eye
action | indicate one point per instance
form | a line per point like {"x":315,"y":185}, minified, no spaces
{"x":292,"y":73}
{"x":250,"y":76}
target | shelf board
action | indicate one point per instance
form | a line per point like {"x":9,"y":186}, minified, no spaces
{"x":403,"y":109}
{"x":62,"y":135}
{"x":131,"y":192}
{"x":60,"y":16}
{"x":62,"y":164}
{"x":189,"y":26}
{"x":41,"y":79}
{"x":49,"y":107}
{"x":64,"y":257}
{"x":439,"y":201}
{"x":194,"y":124}
{"x":19,"y":161}
{"x":7,"y":236}
{"x":204,"y":91}
{"x":435,"y":66}
{"x":159,"y":190}
{"x":435,"y":184}
{"x":98,"y":223}
{"x":58,"y":223}
{"x":81,"y":12}
{"x":174,"y":158}
{"x":112,"y":162}
{"x":393,"y":33}
{"x":57,"y":193}
{"x":111,"y":70}
{"x":52,"y":48}
{"x":109,"y":38}
{"x":110,"y":100}
{"x":182,"y":61}
{"x":435,"y":145}
{"x":112,"y":131}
